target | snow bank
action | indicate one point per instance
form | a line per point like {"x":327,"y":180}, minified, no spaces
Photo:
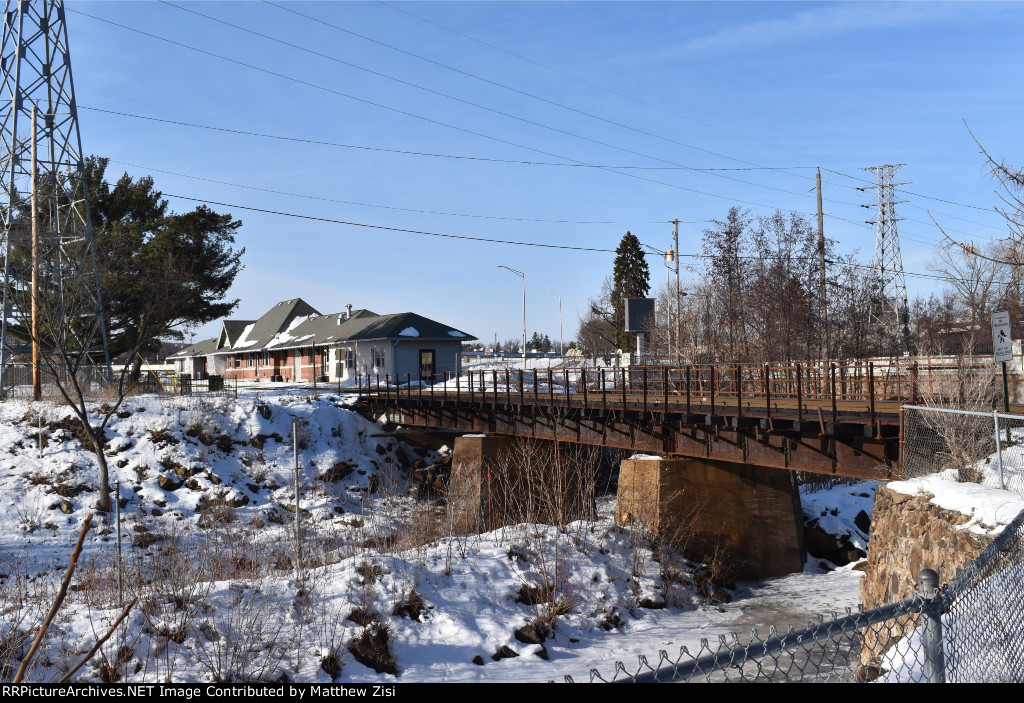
{"x":990,"y":509}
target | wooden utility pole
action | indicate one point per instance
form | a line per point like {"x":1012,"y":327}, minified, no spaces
{"x":37,"y":386}
{"x":821,"y":266}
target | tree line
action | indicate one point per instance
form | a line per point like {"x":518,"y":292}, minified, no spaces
{"x":754,"y":294}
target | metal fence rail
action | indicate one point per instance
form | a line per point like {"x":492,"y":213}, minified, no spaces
{"x":970,"y":631}
{"x":973,"y":446}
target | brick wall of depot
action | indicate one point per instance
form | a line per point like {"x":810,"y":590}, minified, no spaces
{"x":285,"y":368}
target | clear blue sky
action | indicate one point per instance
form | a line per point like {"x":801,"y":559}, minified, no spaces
{"x":718,"y":85}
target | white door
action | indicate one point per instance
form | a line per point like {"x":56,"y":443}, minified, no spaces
{"x":298,"y":365}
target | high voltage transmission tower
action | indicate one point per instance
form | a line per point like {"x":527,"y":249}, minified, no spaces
{"x":39,"y":98}
{"x":888,"y":262}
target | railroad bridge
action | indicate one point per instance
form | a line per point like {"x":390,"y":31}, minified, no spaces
{"x":723,"y":431}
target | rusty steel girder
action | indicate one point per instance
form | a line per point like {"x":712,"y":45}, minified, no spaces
{"x":848,"y":450}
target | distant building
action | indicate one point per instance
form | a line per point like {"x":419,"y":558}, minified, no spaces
{"x":294,"y":342}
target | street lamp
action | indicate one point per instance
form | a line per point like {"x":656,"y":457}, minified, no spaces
{"x":670,"y":256}
{"x":523,"y":276}
{"x":561,"y":352}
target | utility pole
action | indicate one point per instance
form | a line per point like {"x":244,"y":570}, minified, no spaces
{"x":675,"y":248}
{"x":37,"y":386}
{"x":821,"y":272}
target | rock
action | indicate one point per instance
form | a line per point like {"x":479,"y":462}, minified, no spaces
{"x":121,"y":463}
{"x":543,"y":653}
{"x":194,"y":485}
{"x":652,"y":604}
{"x":168,"y":484}
{"x":337,"y":472}
{"x":528,"y":635}
{"x":66,"y":507}
{"x":863,"y":522}
{"x":156,"y":512}
{"x":478,"y":660}
{"x":161,"y":503}
{"x":819,"y":542}
{"x":505,"y":652}
{"x":401,"y":457}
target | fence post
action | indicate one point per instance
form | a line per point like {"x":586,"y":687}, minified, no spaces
{"x":931,"y":637}
{"x":999,"y":449}
{"x":117,"y":518}
{"x":298,"y":539}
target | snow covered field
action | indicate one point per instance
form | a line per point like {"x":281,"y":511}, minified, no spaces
{"x":208,"y":548}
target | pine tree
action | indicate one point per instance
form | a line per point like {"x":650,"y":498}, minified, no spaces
{"x":631,"y":279}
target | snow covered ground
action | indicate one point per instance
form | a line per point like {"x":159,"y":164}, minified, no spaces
{"x":207,"y":526}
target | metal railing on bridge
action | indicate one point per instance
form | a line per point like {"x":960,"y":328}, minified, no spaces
{"x":749,"y":388}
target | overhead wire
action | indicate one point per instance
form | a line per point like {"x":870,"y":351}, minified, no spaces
{"x":576,"y":163}
{"x":480,"y":106}
{"x":491,"y":240}
{"x":391,"y":207}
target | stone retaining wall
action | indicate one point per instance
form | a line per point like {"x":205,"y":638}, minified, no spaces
{"x":909,"y":533}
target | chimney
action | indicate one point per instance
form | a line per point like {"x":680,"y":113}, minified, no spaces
{"x":348,"y":311}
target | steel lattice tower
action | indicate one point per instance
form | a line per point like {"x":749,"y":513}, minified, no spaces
{"x":888,"y":262}
{"x":36,"y":65}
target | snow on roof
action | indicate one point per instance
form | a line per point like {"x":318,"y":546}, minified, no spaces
{"x":990,"y":508}
{"x":285,"y":337}
{"x":243,"y":341}
{"x":410,"y":332}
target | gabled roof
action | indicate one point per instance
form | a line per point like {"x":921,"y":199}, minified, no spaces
{"x":207,"y":346}
{"x":322,"y":329}
{"x":230,"y":331}
{"x":275,"y":322}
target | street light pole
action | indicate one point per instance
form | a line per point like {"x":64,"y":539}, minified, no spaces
{"x":561,"y":352}
{"x":523,"y":276}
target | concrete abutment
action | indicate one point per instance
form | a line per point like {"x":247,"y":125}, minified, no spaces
{"x":746,"y":517}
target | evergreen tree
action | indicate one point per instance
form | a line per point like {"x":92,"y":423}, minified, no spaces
{"x":631,"y":278}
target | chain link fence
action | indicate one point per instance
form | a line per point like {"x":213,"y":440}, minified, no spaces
{"x":969,"y":631}
{"x":973,"y":446}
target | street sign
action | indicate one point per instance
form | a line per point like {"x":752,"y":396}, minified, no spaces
{"x":1002,"y":343}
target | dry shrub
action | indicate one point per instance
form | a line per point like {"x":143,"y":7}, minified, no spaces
{"x":373,"y":648}
{"x":967,"y":439}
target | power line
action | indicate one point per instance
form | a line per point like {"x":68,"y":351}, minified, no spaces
{"x":837,"y":262}
{"x":386,"y":228}
{"x":445,"y":124}
{"x":594,"y":85}
{"x":496,"y":83}
{"x":517,"y":162}
{"x":389,"y":207}
{"x":480,"y":106}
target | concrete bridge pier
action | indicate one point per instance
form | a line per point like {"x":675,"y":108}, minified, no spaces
{"x":749,"y":516}
{"x":498,"y":480}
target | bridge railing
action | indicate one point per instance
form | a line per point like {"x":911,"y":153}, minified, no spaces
{"x":829,"y":386}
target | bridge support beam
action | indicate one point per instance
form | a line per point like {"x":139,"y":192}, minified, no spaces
{"x":498,"y":480}
{"x":748,"y":514}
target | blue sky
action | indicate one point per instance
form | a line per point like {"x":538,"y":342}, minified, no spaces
{"x":659,"y":87}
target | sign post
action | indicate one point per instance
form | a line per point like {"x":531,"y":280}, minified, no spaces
{"x":1002,"y":349}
